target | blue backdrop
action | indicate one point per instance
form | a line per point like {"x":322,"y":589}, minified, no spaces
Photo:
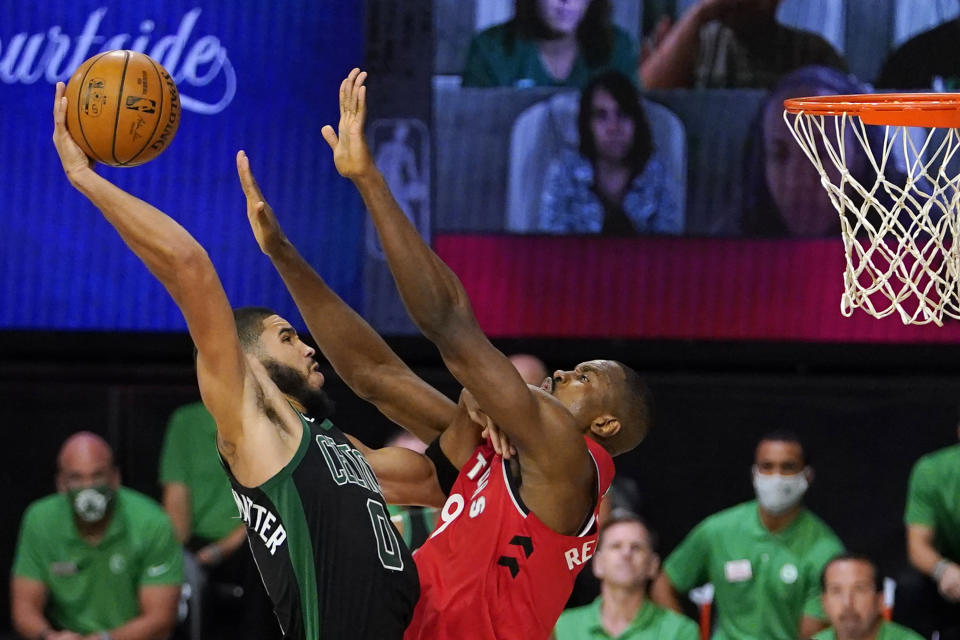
{"x":253,"y":74}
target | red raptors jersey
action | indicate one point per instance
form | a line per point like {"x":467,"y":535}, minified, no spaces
{"x":491,"y":569}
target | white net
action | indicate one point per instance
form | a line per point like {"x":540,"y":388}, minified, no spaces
{"x":898,"y":212}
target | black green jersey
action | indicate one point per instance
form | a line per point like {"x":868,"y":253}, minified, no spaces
{"x":331,"y":560}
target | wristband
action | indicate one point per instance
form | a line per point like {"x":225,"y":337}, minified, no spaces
{"x":104,"y":635}
{"x":939,"y":569}
{"x":216,"y":554}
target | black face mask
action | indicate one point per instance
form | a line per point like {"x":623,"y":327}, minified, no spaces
{"x":316,"y":402}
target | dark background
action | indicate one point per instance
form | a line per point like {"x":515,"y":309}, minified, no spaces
{"x":865,"y":413}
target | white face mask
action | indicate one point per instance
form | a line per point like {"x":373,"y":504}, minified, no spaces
{"x":778,"y":494}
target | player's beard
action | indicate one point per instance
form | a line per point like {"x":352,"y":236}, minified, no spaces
{"x":316,"y":402}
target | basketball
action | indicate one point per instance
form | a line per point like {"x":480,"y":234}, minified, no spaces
{"x":123,"y":108}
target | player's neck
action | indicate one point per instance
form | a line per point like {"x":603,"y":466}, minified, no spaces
{"x":775,"y":523}
{"x":619,"y":606}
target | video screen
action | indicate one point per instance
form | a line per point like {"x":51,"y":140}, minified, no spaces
{"x":629,"y":165}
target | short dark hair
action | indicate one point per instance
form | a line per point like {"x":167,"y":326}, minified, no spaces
{"x":622,"y":516}
{"x":785,"y":435}
{"x":249,"y":322}
{"x":595,"y":33}
{"x":625,"y":94}
{"x":635,"y":413}
{"x":853,"y":556}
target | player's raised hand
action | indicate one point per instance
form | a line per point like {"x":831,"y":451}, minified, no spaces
{"x":498,"y":439}
{"x":350,"y":153}
{"x":72,"y":157}
{"x":263,"y":222}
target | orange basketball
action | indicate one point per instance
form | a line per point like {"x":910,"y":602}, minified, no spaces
{"x":123,"y":108}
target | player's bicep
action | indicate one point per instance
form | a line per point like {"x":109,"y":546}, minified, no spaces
{"x":405,"y":477}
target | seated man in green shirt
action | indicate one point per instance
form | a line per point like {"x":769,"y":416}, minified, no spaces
{"x":928,"y":596}
{"x":853,"y":601}
{"x":95,"y":561}
{"x":197,"y":497}
{"x":763,"y":557}
{"x":625,"y":562}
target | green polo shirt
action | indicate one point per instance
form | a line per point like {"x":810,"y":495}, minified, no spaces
{"x":933,"y":498}
{"x":189,"y":456}
{"x":765,"y":582}
{"x":888,"y":631}
{"x":491,"y":62}
{"x":651,"y":623}
{"x":93,"y":588}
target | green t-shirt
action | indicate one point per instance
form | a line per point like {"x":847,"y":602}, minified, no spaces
{"x":95,"y":588}
{"x":933,"y":498}
{"x":651,"y":623}
{"x":492,"y":63}
{"x":888,"y":631}
{"x":189,"y":456}
{"x":765,"y":582}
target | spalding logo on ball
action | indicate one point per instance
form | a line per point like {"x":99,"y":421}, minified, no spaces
{"x":123,"y":108}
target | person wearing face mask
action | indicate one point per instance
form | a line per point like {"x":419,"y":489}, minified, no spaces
{"x":853,"y":601}
{"x":763,"y":557}
{"x":95,"y":561}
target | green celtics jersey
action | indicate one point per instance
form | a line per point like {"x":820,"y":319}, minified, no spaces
{"x":765,"y":582}
{"x":888,"y":631}
{"x":332,"y":562}
{"x":933,"y":498}
{"x":651,"y":623}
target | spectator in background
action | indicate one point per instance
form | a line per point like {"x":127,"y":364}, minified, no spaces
{"x":552,"y":43}
{"x":531,"y":368}
{"x":764,"y":557}
{"x":617,"y":184}
{"x":929,"y":61}
{"x":95,"y":560}
{"x":928,"y":599}
{"x":625,"y":562}
{"x":198,"y":499}
{"x":733,"y":44}
{"x":853,"y":602}
{"x":782,"y":193}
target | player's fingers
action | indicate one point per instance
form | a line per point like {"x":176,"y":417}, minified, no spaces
{"x":330,"y":136}
{"x":57,"y":94}
{"x":357,"y":88}
{"x":349,"y":95}
{"x":362,"y":104}
{"x":343,"y":93}
{"x":249,"y":183}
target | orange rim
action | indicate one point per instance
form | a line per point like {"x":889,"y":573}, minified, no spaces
{"x":941,"y":110}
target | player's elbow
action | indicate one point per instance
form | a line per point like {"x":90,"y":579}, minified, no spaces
{"x":191,"y":267}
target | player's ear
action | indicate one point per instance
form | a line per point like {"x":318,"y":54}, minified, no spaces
{"x":605,"y":426}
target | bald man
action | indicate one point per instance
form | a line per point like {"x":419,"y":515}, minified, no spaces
{"x":95,"y":561}
{"x":530,"y":368}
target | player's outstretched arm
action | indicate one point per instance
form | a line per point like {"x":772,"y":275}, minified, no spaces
{"x":181,"y":265}
{"x":358,"y":354}
{"x":432,"y":293}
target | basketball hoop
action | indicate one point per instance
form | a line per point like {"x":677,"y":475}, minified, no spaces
{"x":900,"y":232}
